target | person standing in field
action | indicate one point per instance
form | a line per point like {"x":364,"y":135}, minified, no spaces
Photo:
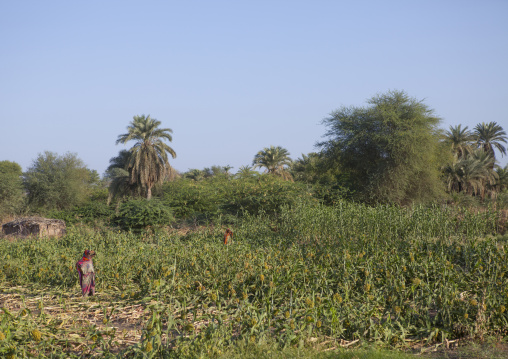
{"x":86,"y":273}
{"x":228,"y":236}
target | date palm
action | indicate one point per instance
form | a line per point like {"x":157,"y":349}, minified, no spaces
{"x":489,"y":136}
{"x":472,"y":174}
{"x":246,"y":172}
{"x":453,"y":176}
{"x":308,"y":168}
{"x":148,"y":163}
{"x":502,"y":180}
{"x":118,"y":175}
{"x":487,"y":176}
{"x":273,"y":159}
{"x":194,"y":174}
{"x":460,"y":140}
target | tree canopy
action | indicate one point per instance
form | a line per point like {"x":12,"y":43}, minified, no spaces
{"x":11,"y":188}
{"x":388,"y":149}
{"x":57,"y":182}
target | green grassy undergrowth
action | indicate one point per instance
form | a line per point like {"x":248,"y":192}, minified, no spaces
{"x":308,"y":278}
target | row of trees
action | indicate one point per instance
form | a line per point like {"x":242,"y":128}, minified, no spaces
{"x":473,"y":168}
{"x":390,"y":151}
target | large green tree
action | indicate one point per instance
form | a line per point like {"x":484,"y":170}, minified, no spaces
{"x":389,"y":149}
{"x":11,"y":188}
{"x":275,"y":161}
{"x":149,"y":162}
{"x":57,"y":182}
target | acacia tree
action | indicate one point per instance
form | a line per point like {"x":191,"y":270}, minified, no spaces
{"x":274,"y":160}
{"x":389,"y":149}
{"x":11,"y":188}
{"x":148,"y":163}
{"x":57,"y":182}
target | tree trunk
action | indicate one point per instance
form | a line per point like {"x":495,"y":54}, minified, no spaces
{"x":149,"y":193}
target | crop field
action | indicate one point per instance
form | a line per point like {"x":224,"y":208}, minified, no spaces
{"x":310,"y":277}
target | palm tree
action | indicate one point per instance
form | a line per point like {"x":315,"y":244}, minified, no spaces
{"x":194,"y":174}
{"x":472,"y":174}
{"x":273,"y":159}
{"x":502,"y":180}
{"x":246,"y":172}
{"x":308,"y":168}
{"x":487,"y":176}
{"x":453,"y":176}
{"x":460,"y":140}
{"x":118,"y":175}
{"x":490,"y":135}
{"x":149,"y":162}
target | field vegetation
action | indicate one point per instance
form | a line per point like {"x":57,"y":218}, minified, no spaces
{"x":389,"y":241}
{"x":312,"y":276}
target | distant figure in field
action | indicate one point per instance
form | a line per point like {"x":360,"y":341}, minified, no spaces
{"x":228,"y":236}
{"x":86,"y":273}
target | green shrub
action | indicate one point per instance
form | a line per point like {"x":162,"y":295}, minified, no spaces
{"x":221,"y":196}
{"x":138,"y":214}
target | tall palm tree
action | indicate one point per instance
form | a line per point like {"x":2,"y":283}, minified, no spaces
{"x":149,"y":162}
{"x":490,"y":135}
{"x":460,"y":140}
{"x":273,"y":159}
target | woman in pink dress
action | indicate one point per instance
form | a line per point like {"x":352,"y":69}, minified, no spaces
{"x":86,"y":273}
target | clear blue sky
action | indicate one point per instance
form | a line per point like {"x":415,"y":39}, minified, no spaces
{"x":232,"y":77}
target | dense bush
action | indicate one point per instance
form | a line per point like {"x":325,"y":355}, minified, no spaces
{"x":221,"y":196}
{"x":138,"y":214}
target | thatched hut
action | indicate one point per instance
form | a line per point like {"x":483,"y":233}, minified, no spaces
{"x":38,"y":226}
